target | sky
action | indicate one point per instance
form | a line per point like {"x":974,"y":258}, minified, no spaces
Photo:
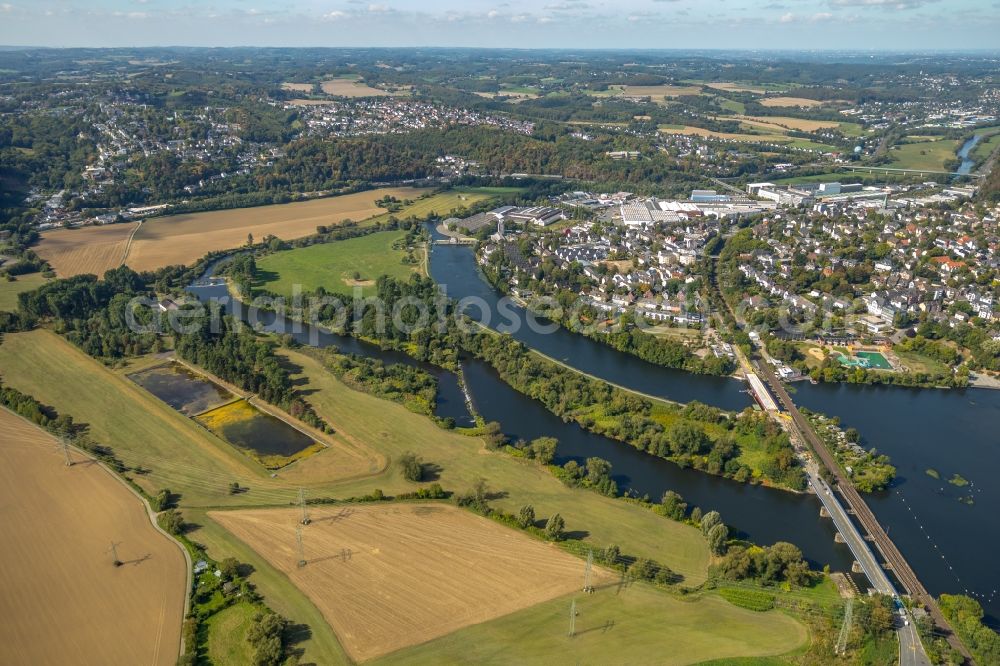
{"x":716,"y":24}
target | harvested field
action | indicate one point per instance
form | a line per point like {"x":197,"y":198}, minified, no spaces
{"x":786,"y":123}
{"x":297,"y":87}
{"x":790,"y":101}
{"x":348,"y":87}
{"x":393,"y":575}
{"x":63,"y":600}
{"x":701,"y":131}
{"x":737,"y":87}
{"x":393,"y":429}
{"x":93,"y":249}
{"x":182,"y":239}
{"x":660,"y":91}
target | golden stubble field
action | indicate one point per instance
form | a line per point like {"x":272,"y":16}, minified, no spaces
{"x":790,"y":101}
{"x":63,"y":601}
{"x":88,"y":250}
{"x":781,"y":123}
{"x":388,"y":576}
{"x":183,"y":239}
{"x":350,"y":87}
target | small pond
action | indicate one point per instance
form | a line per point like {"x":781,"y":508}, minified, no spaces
{"x":266,"y":438}
{"x":182,"y":389}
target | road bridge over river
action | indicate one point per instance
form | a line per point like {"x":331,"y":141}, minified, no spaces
{"x":910,"y":649}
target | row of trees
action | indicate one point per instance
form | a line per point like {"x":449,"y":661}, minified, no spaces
{"x":698,"y":435}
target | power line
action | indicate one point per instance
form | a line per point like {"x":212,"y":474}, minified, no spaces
{"x":302,"y":552}
{"x":572,"y":618}
{"x":65,"y":449}
{"x":114,"y":554}
{"x":845,"y":628}
{"x":302,"y":503}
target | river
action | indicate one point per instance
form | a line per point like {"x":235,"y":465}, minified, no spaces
{"x":949,"y":543}
{"x":455,"y":268}
{"x":763,"y":515}
{"x":967,"y":162}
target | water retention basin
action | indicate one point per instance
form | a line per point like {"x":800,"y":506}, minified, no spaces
{"x":265,"y":438}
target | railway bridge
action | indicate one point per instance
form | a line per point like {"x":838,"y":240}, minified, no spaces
{"x":860,"y":510}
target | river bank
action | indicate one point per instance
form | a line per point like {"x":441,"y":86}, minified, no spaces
{"x":924,"y":519}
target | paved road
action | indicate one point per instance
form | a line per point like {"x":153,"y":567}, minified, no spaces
{"x":911,"y":650}
{"x":910,"y":647}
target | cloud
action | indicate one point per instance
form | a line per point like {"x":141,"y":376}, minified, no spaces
{"x":335,"y":15}
{"x":567,"y":6}
{"x":379,"y":9}
{"x":882,"y":4}
{"x":818,"y":17}
{"x":130,"y":15}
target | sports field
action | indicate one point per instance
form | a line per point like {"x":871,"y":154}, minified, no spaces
{"x":10,"y":290}
{"x":388,"y":576}
{"x":92,"y":249}
{"x":636,"y":624}
{"x":63,"y":599}
{"x":182,"y":239}
{"x":341,"y":266}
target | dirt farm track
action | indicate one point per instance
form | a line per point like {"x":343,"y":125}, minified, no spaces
{"x":389,"y":576}
{"x":87,"y":250}
{"x":62,"y":600}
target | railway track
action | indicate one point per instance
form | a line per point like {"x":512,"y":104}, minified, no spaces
{"x":864,"y":515}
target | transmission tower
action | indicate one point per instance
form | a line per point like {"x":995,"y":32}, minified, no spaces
{"x":65,"y":450}
{"x":572,"y":618}
{"x":845,"y":629}
{"x":298,"y":541}
{"x":114,"y":554}
{"x":587,"y":587}
{"x":302,"y":503}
